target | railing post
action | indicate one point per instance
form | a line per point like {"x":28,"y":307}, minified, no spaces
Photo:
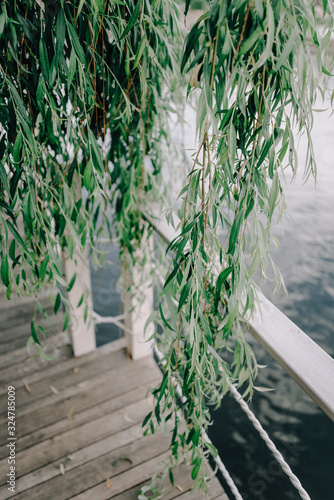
{"x":138,"y":299}
{"x":82,"y":332}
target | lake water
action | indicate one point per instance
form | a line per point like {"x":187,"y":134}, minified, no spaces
{"x":302,"y":432}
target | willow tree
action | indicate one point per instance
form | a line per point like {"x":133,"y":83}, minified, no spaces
{"x":86,"y":92}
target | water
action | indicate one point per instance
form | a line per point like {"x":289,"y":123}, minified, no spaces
{"x":302,"y":432}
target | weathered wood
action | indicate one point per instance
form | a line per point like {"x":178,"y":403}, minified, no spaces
{"x":36,"y":369}
{"x":93,"y":475}
{"x":71,"y":461}
{"x":181,"y":490}
{"x":309,"y":365}
{"x":16,"y":337}
{"x":124,"y":480}
{"x":69,"y":378}
{"x":78,"y":419}
{"x":21,"y":355}
{"x":85,"y":435}
{"x":51,"y":449}
{"x":75,"y":399}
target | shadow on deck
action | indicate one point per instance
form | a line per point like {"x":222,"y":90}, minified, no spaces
{"x":78,"y":420}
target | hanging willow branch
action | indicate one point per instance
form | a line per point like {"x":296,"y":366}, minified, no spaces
{"x":84,"y":93}
{"x":255,"y":68}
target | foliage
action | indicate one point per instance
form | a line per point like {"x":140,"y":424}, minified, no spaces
{"x":250,"y":65}
{"x":85,"y":87}
{"x":86,"y":90}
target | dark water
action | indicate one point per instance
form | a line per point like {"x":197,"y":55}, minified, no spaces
{"x":302,"y":432}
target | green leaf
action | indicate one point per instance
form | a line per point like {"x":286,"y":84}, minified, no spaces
{"x":76,"y":43}
{"x":60,"y":35}
{"x":70,"y":286}
{"x":4,"y":179}
{"x":5,"y":270}
{"x":57,"y":303}
{"x":171,"y":476}
{"x":190,"y":43}
{"x":288,"y":48}
{"x":251,"y":40}
{"x":184,"y":295}
{"x":66,"y":320}
{"x":87,"y":176}
{"x":140,"y":51}
{"x":273,"y":194}
{"x":196,"y":468}
{"x":34,"y":333}
{"x":147,"y":418}
{"x":133,"y":20}
{"x":163,"y":386}
{"x":223,"y":276}
{"x":164,"y":319}
{"x":44,"y":267}
{"x":44,"y":59}
{"x":17,"y":236}
{"x":234,"y":233}
{"x":12,"y":250}
{"x":17,"y":99}
{"x":212,"y":449}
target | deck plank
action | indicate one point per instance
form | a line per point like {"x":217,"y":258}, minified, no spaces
{"x":78,"y":421}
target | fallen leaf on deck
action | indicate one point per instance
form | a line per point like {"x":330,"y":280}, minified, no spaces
{"x":179,"y":488}
{"x":62,"y":469}
{"x":82,"y":384}
{"x":27,"y":388}
{"x":71,"y":456}
{"x":108,"y":483}
{"x":53,"y":389}
{"x":127,"y":418}
{"x":70,"y":413}
{"x":149,"y":399}
{"x":75,"y":369}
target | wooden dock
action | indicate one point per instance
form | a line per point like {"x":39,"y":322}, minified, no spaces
{"x":78,"y":420}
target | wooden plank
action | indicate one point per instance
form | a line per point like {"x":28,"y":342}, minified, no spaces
{"x":17,"y":336}
{"x":309,"y":365}
{"x":74,"y":439}
{"x":20,"y":355}
{"x":14,"y":315}
{"x":125,"y":480}
{"x":216,"y":492}
{"x":100,"y":389}
{"x":79,"y":419}
{"x":66,"y":379}
{"x":74,"y":460}
{"x":94,"y":474}
{"x":117,"y":358}
{"x":36,"y":369}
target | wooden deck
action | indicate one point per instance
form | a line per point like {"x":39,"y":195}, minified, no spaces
{"x":78,"y":420}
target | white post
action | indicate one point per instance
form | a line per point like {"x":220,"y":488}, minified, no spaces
{"x":138,"y":301}
{"x":82,"y":332}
